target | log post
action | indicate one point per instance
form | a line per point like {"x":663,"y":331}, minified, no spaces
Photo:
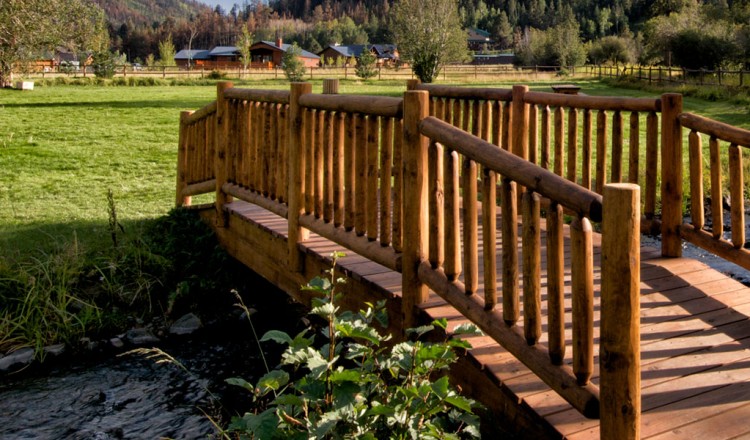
{"x":296,"y":165}
{"x":671,"y":174}
{"x":330,"y":86}
{"x":620,"y":314}
{"x":520,"y":122}
{"x":412,"y":84}
{"x":182,"y":200}
{"x":415,"y":193}
{"x":220,"y":161}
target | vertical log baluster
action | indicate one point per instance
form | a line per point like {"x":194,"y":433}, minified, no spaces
{"x":582,"y":277}
{"x":371,"y":212}
{"x":559,"y":142}
{"x":545,"y":157}
{"x":183,"y":159}
{"x":634,"y":148}
{"x":652,"y":164}
{"x":232,"y":140}
{"x":617,"y":147}
{"x":532,"y":260}
{"x":533,"y":134}
{"x":696,"y":179}
{"x":283,"y":152}
{"x":436,"y":205}
{"x":273,"y":117}
{"x":471,"y":253}
{"x":452,"y":216}
{"x":257,"y":161}
{"x":398,"y":186}
{"x":717,"y":208}
{"x":736,"y":189}
{"x":601,"y":151}
{"x":328,"y":130}
{"x":221,"y":158}
{"x":489,"y":237}
{"x":486,"y":126}
{"x":386,"y":172}
{"x":456,"y":113}
{"x":350,"y":172}
{"x":339,"y":167}
{"x":466,"y":117}
{"x":319,"y":167}
{"x":476,"y":118}
{"x":555,"y":283}
{"x":266,"y":149}
{"x":360,"y":186}
{"x":448,"y":111}
{"x":497,"y":123}
{"x":506,"y":134}
{"x":572,"y":144}
{"x":439,"y":105}
{"x":509,"y":231}
{"x":309,"y":161}
{"x":586,"y":150}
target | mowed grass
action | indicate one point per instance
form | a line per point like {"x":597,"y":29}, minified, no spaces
{"x":63,"y":148}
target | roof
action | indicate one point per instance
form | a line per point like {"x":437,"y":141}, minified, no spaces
{"x":195,"y":54}
{"x":386,"y":51}
{"x":478,"y":35}
{"x":224,"y":51}
{"x":284,"y":47}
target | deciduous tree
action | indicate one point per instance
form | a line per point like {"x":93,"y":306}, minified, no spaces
{"x":30,"y":27}
{"x":428,"y":34}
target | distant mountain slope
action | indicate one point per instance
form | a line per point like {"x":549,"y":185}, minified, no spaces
{"x":148,"y":11}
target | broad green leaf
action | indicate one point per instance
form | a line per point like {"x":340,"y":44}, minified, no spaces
{"x":263,"y":425}
{"x":441,"y":387}
{"x":467,"y":329}
{"x":289,"y":400}
{"x":324,"y":310}
{"x":317,"y":364}
{"x":419,"y":331}
{"x":442,"y":323}
{"x":272,"y":380}
{"x":358,"y":330}
{"x":345,"y":376}
{"x":238,"y":381}
{"x":276,"y":336}
{"x":460,"y":402}
{"x":458,"y":343}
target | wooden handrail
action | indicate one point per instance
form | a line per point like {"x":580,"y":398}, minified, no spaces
{"x":481,"y":93}
{"x":201,"y":113}
{"x":548,"y":184}
{"x":273,"y":96}
{"x":373,"y":105}
{"x":593,"y":102}
{"x":716,"y":129}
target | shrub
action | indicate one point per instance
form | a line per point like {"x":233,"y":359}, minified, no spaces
{"x":353,"y":386}
{"x":294,"y":67}
{"x":217,"y":74}
{"x":366,"y":65}
{"x":104,"y":64}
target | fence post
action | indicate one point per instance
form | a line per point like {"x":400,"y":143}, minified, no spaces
{"x":519,"y":133}
{"x":671,"y":174}
{"x":295,"y":179}
{"x":182,"y":142}
{"x":416,"y":220}
{"x":412,"y":84}
{"x":330,"y":86}
{"x":220,"y":161}
{"x":620,"y":360}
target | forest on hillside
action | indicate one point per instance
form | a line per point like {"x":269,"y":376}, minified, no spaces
{"x":688,"y":33}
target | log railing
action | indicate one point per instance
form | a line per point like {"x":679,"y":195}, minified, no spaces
{"x":347,"y":188}
{"x":196,"y":150}
{"x":441,"y":165}
{"x":724,"y":156}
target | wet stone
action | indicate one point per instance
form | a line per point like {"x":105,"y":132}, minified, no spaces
{"x":140,"y":336}
{"x":116,"y":342}
{"x":23,"y":356}
{"x":186,"y":325}
{"x":54,"y":350}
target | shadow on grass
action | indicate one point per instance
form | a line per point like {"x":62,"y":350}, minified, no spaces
{"x":170,"y":103}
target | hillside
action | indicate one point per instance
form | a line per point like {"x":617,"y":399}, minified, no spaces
{"x":148,"y":11}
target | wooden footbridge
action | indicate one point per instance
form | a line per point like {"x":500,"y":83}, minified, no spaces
{"x":504,"y":207}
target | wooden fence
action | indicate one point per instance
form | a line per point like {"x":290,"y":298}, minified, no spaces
{"x":394,"y":179}
{"x":678,"y":75}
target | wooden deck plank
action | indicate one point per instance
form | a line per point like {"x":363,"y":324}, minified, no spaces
{"x":695,"y":343}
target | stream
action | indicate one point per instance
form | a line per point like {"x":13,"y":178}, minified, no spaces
{"x":127,"y":396}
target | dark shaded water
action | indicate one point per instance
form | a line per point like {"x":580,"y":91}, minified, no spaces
{"x":130,"y":397}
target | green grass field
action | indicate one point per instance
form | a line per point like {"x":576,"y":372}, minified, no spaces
{"x":62,"y":148}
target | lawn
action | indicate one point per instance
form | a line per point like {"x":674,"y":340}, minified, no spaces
{"x":63,"y":148}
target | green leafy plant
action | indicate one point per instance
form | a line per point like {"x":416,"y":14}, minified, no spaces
{"x":356,"y":386}
{"x":366,"y":65}
{"x":294,"y":67}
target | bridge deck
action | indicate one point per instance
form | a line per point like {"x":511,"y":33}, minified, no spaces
{"x":695,"y":344}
